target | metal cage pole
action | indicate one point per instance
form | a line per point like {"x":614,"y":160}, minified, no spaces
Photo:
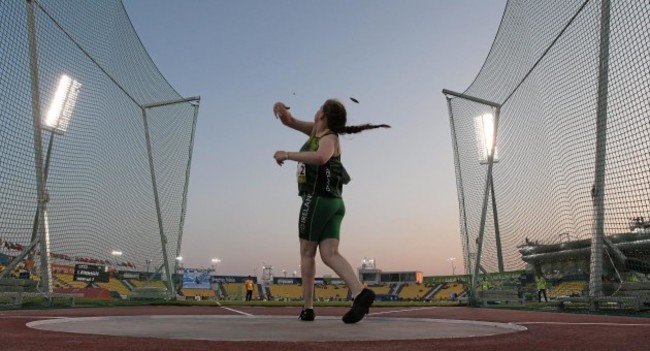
{"x":46,"y":269}
{"x":171,"y":291}
{"x":497,"y":233}
{"x":488,"y":182}
{"x":163,"y":237}
{"x":459,"y":186}
{"x":187,"y":182}
{"x":598,"y":191}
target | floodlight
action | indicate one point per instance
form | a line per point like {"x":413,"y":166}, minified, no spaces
{"x":116,"y":253}
{"x":216,"y":260}
{"x":484,"y":127}
{"x":62,"y":105}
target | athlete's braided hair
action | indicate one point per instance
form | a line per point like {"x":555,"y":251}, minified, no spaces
{"x":337,"y":117}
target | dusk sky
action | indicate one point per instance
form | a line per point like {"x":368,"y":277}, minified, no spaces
{"x":394,"y":57}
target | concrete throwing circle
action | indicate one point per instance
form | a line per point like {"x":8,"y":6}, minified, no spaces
{"x":274,"y":328}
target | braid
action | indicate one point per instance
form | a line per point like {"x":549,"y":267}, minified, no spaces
{"x":337,"y":117}
{"x":359,"y":128}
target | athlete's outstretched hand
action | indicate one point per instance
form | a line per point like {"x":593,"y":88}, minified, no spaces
{"x":280,"y":110}
{"x":280,"y":157}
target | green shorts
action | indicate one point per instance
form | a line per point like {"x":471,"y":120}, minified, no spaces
{"x":320,"y":218}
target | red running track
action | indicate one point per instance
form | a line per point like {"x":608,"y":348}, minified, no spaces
{"x":546,"y":331}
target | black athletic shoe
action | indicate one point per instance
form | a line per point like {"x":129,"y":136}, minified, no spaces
{"x":307,"y":314}
{"x":360,"y":306}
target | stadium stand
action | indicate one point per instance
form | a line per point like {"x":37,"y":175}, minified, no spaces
{"x":380,"y":290}
{"x":115,"y":285}
{"x":60,"y":283}
{"x":204,"y":294}
{"x":235,"y":291}
{"x":286,"y":292}
{"x":447,"y":289}
{"x":413,"y":291}
{"x":329,"y":293}
{"x":128,"y":284}
{"x":147,"y":284}
{"x":396,"y":288}
{"x":68,"y":280}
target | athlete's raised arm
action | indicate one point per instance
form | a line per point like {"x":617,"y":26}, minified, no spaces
{"x":281,"y":111}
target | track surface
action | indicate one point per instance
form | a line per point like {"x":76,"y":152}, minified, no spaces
{"x":546,"y":331}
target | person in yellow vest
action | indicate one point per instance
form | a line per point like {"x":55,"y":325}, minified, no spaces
{"x":249,"y":285}
{"x":542,"y":285}
{"x":485,"y":284}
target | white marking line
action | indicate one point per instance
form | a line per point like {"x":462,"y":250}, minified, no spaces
{"x":32,"y":317}
{"x":588,"y":323}
{"x":399,"y":311}
{"x":236,"y":311}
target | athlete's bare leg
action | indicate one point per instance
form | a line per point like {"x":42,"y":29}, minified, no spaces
{"x":329,"y":252}
{"x":308,"y":270}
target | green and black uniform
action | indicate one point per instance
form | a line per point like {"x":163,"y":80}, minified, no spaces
{"x":320,"y":187}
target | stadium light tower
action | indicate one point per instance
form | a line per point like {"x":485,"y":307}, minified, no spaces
{"x":485,"y":128}
{"x":116,"y":254}
{"x":60,"y":111}
{"x":46,"y":272}
{"x":56,"y":121}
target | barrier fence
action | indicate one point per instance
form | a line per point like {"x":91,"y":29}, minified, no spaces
{"x":551,"y":145}
{"x":95,"y":144}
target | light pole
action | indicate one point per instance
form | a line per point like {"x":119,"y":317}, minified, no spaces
{"x":453,"y":266}
{"x":116,"y":254}
{"x":486,"y":139}
{"x":56,"y":121}
{"x":215,"y":261}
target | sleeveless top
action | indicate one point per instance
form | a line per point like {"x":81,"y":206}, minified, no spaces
{"x":321,"y":180}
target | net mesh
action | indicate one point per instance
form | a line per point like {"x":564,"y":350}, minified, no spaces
{"x":99,"y":179}
{"x":543,"y":69}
